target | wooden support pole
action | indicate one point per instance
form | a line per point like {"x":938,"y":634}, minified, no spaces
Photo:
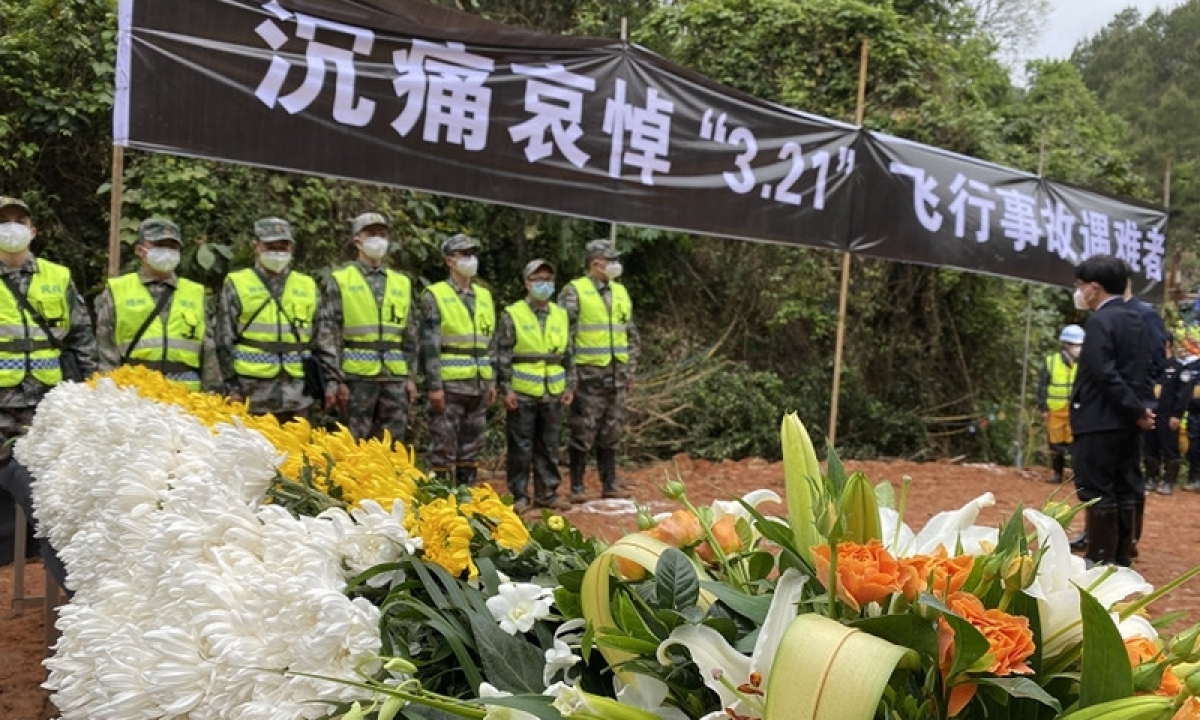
{"x":1022,"y":420}
{"x":114,"y":213}
{"x":859,"y":115}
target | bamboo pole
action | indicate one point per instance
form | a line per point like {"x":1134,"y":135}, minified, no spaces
{"x":114,"y":213}
{"x":1022,"y":420}
{"x":1169,"y":270}
{"x":859,"y":115}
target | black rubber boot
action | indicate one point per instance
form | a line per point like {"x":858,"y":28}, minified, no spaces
{"x":1129,"y":526}
{"x":1170,"y":477}
{"x":578,"y":466}
{"x":1193,"y":483}
{"x":1058,"y":461}
{"x":1079,"y":544}
{"x":1104,"y":534}
{"x":606,"y":461}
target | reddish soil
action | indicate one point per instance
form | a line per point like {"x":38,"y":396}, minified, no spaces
{"x":1167,"y":548}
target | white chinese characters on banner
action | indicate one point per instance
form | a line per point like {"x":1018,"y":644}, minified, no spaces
{"x":554,"y":98}
{"x":448,"y":85}
{"x":648,"y":129}
{"x":348,"y":107}
{"x":1072,"y":238}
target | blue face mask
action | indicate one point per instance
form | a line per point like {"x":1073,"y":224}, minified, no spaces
{"x":542,"y":289}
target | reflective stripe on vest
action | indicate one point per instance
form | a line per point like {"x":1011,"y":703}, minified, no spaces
{"x":537,"y":355}
{"x":173,"y":348}
{"x":371,"y":334}
{"x":600,"y":335}
{"x":1062,"y":377}
{"x":268,"y":345}
{"x":23,"y":345}
{"x":465,"y":338}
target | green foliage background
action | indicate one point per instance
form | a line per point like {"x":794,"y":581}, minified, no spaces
{"x":933,"y":357}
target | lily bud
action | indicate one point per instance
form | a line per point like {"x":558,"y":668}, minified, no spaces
{"x":860,"y":511}
{"x":1019,"y":573}
{"x":400,"y":665}
{"x":800,"y":466}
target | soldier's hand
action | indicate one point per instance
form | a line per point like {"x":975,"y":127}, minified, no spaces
{"x":491,"y":396}
{"x":567,"y":398}
{"x":343,"y":399}
{"x":437,"y":401}
{"x":236,"y":397}
{"x":510,"y":400}
{"x":411,"y":388}
{"x":1146,"y":421}
{"x":1174,"y":424}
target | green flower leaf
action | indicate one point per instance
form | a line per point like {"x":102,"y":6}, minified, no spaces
{"x":675,"y":581}
{"x":509,"y":662}
{"x":1104,"y":669}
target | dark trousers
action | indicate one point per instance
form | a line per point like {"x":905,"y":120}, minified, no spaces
{"x":1107,"y":466}
{"x":1193,"y":436}
{"x":533,"y":445}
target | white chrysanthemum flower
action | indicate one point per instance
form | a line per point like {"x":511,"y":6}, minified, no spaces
{"x":517,"y":606}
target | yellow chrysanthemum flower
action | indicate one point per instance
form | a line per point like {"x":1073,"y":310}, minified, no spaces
{"x":508,"y":530}
{"x":367,"y":469}
{"x":446,"y":536}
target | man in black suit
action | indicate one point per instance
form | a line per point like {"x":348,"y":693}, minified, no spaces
{"x":1110,"y":405}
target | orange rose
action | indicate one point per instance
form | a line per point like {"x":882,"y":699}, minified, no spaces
{"x":962,"y":693}
{"x":726,"y":534}
{"x":865,"y":573}
{"x":936,"y":573}
{"x":1010,"y":641}
{"x":1144,"y":650}
{"x":679,"y":530}
{"x":1189,"y":711}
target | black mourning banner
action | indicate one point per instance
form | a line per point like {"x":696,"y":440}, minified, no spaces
{"x":404,"y":93}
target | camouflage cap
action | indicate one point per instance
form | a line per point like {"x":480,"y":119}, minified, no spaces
{"x":534,"y":265}
{"x":155,"y":229}
{"x":7,"y":202}
{"x":602,"y":248}
{"x":458,"y":243}
{"x":268,"y":229}
{"x":366,"y":220}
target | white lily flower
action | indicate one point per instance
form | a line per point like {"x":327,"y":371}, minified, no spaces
{"x":947,"y":529}
{"x":721,"y":508}
{"x":1060,"y":575}
{"x":500,"y":712}
{"x":721,"y":666}
{"x":1134,"y":626}
{"x":517,"y":606}
{"x":559,"y":658}
{"x":646,"y":693}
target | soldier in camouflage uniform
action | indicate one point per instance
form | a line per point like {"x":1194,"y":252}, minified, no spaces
{"x":265,"y":328}
{"x":534,"y":365}
{"x":458,"y":350}
{"x":29,"y":361}
{"x":178,"y":344}
{"x":368,"y":308}
{"x":606,"y":346}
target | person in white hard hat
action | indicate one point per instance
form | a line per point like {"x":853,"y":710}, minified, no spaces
{"x":1054,"y":397}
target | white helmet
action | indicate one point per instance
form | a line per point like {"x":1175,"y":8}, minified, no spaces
{"x":1071,"y":334}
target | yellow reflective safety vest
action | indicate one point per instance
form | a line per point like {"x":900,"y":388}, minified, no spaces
{"x":1062,"y":377}
{"x":24,"y":348}
{"x":537,"y":367}
{"x":273,"y":335}
{"x":465,"y":339}
{"x":372,"y":334}
{"x":601,"y":335}
{"x":172,"y":348}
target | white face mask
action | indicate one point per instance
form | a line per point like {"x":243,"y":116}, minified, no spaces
{"x":1080,"y":303}
{"x":613,"y":270}
{"x":374,"y":247}
{"x":162,"y":259}
{"x":14,"y":237}
{"x":275,"y":260}
{"x":467,"y":266}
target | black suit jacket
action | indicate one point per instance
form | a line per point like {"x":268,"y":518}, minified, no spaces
{"x":1112,"y":386}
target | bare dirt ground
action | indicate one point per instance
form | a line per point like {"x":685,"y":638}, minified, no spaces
{"x":1168,"y":547}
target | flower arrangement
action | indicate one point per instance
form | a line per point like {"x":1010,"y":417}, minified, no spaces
{"x":226,"y":566}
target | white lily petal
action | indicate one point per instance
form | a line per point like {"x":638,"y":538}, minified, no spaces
{"x":944,"y":528}
{"x":1057,"y":564}
{"x":643,"y":691}
{"x":1135,"y":626}
{"x":897,"y":537}
{"x":711,"y":653}
{"x":1110,"y":585}
{"x":779,"y":616}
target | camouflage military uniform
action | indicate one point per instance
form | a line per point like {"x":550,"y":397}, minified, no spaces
{"x":533,"y":428}
{"x":106,"y":339}
{"x":18,"y":403}
{"x":457,"y":434}
{"x":282,"y":395}
{"x":378,"y":402}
